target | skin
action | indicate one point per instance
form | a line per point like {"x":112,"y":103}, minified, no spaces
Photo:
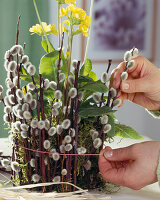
{"x":134,"y":166}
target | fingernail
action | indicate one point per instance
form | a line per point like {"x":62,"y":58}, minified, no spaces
{"x":125,"y":86}
{"x":108,"y":154}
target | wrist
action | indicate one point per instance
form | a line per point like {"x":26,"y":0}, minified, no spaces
{"x":158,"y":166}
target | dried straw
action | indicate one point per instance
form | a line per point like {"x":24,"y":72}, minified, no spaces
{"x":18,"y":193}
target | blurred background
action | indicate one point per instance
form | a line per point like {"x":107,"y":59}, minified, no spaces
{"x":129,"y":114}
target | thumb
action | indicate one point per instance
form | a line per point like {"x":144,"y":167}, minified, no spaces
{"x":135,"y":85}
{"x":121,"y":154}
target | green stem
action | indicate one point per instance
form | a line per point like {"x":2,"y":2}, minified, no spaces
{"x":59,"y":32}
{"x":70,"y":40}
{"x":88,"y":40}
{"x":39,"y":19}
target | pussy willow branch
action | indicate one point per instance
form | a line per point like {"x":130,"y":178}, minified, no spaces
{"x":59,"y":60}
{"x":77,"y":105}
{"x":119,"y":88}
{"x":43,"y":130}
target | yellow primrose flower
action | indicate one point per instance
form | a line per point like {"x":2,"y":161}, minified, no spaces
{"x":77,"y":12}
{"x":85,"y":34}
{"x":68,"y":53}
{"x":63,"y":12}
{"x":53,"y":30}
{"x":70,"y":1}
{"x":87,"y":21}
{"x":64,"y":28}
{"x":47,"y":29}
{"x":66,"y":22}
{"x":36,"y":29}
{"x":84,"y":30}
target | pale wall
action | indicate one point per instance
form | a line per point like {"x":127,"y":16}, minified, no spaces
{"x":129,"y":114}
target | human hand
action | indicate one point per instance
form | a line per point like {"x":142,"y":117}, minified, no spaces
{"x":142,"y":86}
{"x":134,"y":166}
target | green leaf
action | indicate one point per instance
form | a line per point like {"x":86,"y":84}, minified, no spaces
{"x":97,"y":86}
{"x":94,"y":111}
{"x":86,"y":68}
{"x":47,"y":66}
{"x":75,"y":21}
{"x":85,"y":79}
{"x":45,"y":46}
{"x":93,"y":75}
{"x":126,"y":132}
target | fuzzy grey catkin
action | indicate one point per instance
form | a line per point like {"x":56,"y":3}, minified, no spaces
{"x":36,"y":178}
{"x":7,"y":109}
{"x":34,"y":123}
{"x":24,"y":127}
{"x":104,"y":77}
{"x":72,"y":93}
{"x":104,"y":119}
{"x":56,"y":156}
{"x":64,"y":172}
{"x":47,"y":124}
{"x":41,"y":124}
{"x":59,"y":129}
{"x":75,"y":63}
{"x":107,"y":128}
{"x":97,"y":97}
{"x":113,"y":92}
{"x":58,"y":94}
{"x":57,"y":105}
{"x":46,"y":144}
{"x":28,"y":97}
{"x":127,"y":56}
{"x":25,"y":59}
{"x":131,"y":64}
{"x":46,"y":84}
{"x":67,"y":139}
{"x":124,"y":76}
{"x":55,"y":112}
{"x":56,"y":179}
{"x":71,"y":80}
{"x":25,"y":107}
{"x":15,"y":50}
{"x":1,"y":88}
{"x":31,"y":86}
{"x":53,"y":85}
{"x":33,"y":104}
{"x":97,"y":143}
{"x":15,"y":166}
{"x":12,"y":66}
{"x":68,"y":147}
{"x":52,"y":131}
{"x":31,"y":70}
{"x":72,"y":132}
{"x":19,"y":94}
{"x":117,"y":103}
{"x":66,"y":124}
{"x":61,"y":77}
{"x":24,"y":135}
{"x":27,"y":115}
